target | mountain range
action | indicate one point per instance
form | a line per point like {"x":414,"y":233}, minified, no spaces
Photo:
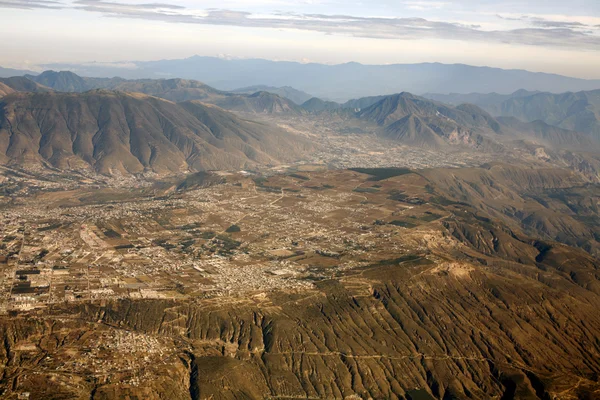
{"x":577,"y":111}
{"x":22,"y":84}
{"x":176,"y":90}
{"x":570,"y":111}
{"x":339,"y":82}
{"x":123,"y":133}
{"x":8,"y":72}
{"x":63,"y":134}
{"x":295,"y":95}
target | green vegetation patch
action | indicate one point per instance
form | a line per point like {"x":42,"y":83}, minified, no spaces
{"x":189,"y":227}
{"x":397,"y":195}
{"x":402,"y":259}
{"x":429,"y":217}
{"x":49,"y":227}
{"x":260,"y":181}
{"x":233,"y":229}
{"x":270,"y":189}
{"x":366,"y":190}
{"x":444,"y":201}
{"x":379,"y":174}
{"x":319,"y":187}
{"x":403,"y":224}
{"x":301,"y":177}
{"x":227,"y":244}
{"x":207,"y":235}
{"x":111,"y":234}
{"x":419,"y":394}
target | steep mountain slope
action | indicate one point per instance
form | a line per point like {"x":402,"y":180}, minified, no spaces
{"x":415,"y":131}
{"x":395,"y":107}
{"x":574,"y":111}
{"x":578,"y":112}
{"x":363,"y":102}
{"x":355,"y":105}
{"x":549,"y":134}
{"x":488,"y":101}
{"x":546,"y":202}
{"x":63,"y":81}
{"x":176,"y":90}
{"x":4,"y":90}
{"x":297,"y":96}
{"x":179,"y":90}
{"x":318,"y":105}
{"x":22,"y":84}
{"x":116,"y":132}
{"x":416,"y":121}
{"x":259,"y":102}
{"x":67,"y":81}
{"x":392,"y":108}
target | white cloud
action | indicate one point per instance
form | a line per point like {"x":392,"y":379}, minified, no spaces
{"x":425,"y":5}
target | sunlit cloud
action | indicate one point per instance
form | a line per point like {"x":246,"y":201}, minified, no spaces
{"x":536,"y":31}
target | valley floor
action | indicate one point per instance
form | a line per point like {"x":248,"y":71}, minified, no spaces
{"x":311,"y":283}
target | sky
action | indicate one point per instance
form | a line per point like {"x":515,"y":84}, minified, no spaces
{"x":554,"y":36}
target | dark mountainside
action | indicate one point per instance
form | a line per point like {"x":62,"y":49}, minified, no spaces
{"x":549,"y":134}
{"x":116,"y":132}
{"x":578,"y":111}
{"x":490,"y":102}
{"x":417,"y":121}
{"x":297,"y":96}
{"x":363,"y":102}
{"x":549,"y":203}
{"x":570,"y":111}
{"x":67,"y":81}
{"x":176,"y":90}
{"x":316,"y":105}
{"x":421,"y":122}
{"x":64,"y":81}
{"x":574,"y":111}
{"x":132,"y":133}
{"x":344,"y":81}
{"x":259,"y":102}
{"x":5,"y":89}
{"x":22,"y":84}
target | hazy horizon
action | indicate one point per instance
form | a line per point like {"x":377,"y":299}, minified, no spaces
{"x":548,"y":36}
{"x":130,"y":64}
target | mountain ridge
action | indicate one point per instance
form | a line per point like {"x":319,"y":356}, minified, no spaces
{"x":114,"y":132}
{"x":343,"y":81}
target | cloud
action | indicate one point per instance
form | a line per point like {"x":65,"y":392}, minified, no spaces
{"x":422,"y":5}
{"x":535,"y":32}
{"x":31,"y":4}
{"x":116,"y":8}
{"x":544,"y":22}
